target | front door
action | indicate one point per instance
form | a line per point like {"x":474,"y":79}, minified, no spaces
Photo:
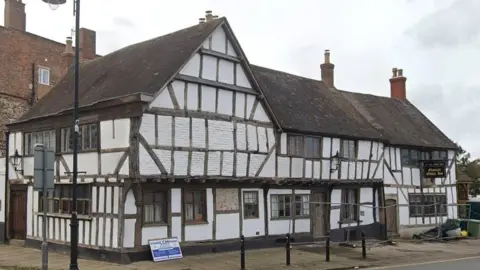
{"x":318,"y":206}
{"x":391,"y":211}
{"x":18,"y":213}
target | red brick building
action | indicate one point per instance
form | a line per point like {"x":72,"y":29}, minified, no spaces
{"x":30,"y":65}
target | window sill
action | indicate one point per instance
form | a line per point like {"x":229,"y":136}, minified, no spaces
{"x":80,"y":152}
{"x":247,"y":218}
{"x":280,"y":218}
{"x":429,"y":215}
{"x":66,"y":216}
{"x":349,"y":221}
{"x":411,"y":166}
{"x":150,"y":225}
{"x":290,"y":218}
{"x":193,"y":223}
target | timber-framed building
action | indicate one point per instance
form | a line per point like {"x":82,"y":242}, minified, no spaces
{"x":182,"y":137}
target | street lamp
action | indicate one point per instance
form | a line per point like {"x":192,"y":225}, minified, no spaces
{"x":74,"y":220}
{"x":16,"y":160}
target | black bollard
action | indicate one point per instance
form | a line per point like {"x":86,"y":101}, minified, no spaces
{"x":327,"y":247}
{"x":364,"y":247}
{"x":242,"y":252}
{"x":287,"y":249}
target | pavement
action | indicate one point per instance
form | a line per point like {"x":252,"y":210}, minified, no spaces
{"x":303,"y":257}
{"x":460,"y":264}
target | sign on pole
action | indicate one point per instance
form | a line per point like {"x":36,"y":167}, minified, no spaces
{"x":165,"y":249}
{"x":43,"y":162}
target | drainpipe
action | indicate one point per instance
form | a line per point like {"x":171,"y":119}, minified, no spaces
{"x":7,"y":173}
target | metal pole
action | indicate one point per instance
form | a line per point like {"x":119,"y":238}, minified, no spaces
{"x":44,"y":226}
{"x":439,"y":235}
{"x":364,"y":246}
{"x":242,"y":252}
{"x":287,"y":249}
{"x":6,"y":194}
{"x":422,"y":195}
{"x":74,"y":220}
{"x":327,"y":247}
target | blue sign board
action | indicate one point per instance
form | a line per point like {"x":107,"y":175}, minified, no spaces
{"x":165,"y":249}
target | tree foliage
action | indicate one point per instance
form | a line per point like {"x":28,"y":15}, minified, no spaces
{"x":472,"y":168}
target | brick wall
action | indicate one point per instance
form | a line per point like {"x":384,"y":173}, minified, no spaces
{"x":20,"y":53}
{"x":10,"y":109}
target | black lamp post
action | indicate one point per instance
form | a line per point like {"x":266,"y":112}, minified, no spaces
{"x":74,"y":221}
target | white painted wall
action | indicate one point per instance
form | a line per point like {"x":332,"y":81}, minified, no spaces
{"x":129,"y":223}
{"x":284,"y":226}
{"x":104,"y":200}
{"x":219,"y":135}
{"x":408,"y":180}
{"x":319,"y":168}
{"x":113,"y":134}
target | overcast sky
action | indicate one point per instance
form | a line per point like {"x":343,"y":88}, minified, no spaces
{"x":436,"y":42}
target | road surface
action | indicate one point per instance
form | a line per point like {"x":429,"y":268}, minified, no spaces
{"x":460,"y":264}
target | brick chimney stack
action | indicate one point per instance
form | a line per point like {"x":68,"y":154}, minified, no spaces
{"x":398,"y":85}
{"x":208,"y":15}
{"x":327,"y":69}
{"x":68,"y":55}
{"x":88,"y":44}
{"x":14,"y":15}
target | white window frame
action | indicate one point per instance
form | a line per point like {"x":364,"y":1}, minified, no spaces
{"x":44,"y":75}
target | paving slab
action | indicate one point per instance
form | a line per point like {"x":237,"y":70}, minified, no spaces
{"x":302,"y":257}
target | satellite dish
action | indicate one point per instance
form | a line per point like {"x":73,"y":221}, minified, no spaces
{"x":54,"y":4}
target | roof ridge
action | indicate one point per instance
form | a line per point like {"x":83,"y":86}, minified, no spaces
{"x":285,"y":72}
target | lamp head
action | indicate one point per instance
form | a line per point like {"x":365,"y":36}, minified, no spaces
{"x":16,"y":159}
{"x":54,"y":4}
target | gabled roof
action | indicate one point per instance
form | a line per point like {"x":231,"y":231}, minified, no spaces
{"x":300,"y":104}
{"x":399,"y":121}
{"x":144,"y":67}
{"x":307,"y":105}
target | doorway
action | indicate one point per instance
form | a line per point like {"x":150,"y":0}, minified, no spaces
{"x":18,"y":212}
{"x":391,"y":210}
{"x":318,"y":206}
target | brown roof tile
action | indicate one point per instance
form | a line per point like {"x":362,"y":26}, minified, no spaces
{"x":399,"y":121}
{"x":139,"y":68}
{"x":306,"y":105}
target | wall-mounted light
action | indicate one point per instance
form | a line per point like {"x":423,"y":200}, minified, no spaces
{"x":334,"y":162}
{"x":16,"y":160}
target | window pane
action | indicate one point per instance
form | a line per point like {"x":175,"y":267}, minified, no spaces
{"x":93,"y":136}
{"x":85,"y":138}
{"x":414,"y":157}
{"x":348,"y":149}
{"x":405,"y":157}
{"x":312,"y":146}
{"x":195,"y":205}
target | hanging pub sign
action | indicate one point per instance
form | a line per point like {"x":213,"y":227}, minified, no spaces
{"x":434,"y":169}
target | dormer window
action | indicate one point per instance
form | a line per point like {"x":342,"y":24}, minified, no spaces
{"x":44,"y":76}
